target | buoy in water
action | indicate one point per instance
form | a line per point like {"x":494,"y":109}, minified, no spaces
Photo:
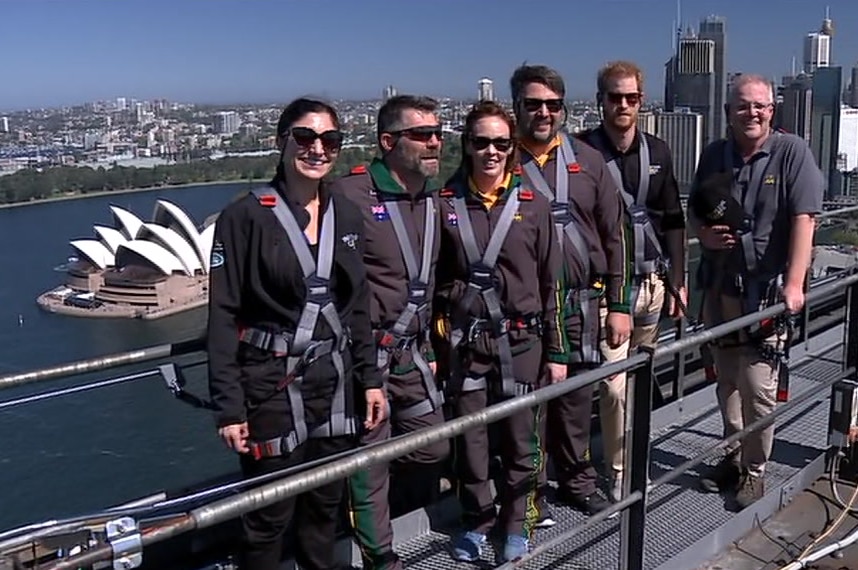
{"x":20,"y":320}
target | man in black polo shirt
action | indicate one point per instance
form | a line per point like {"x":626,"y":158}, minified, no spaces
{"x":641,"y":166}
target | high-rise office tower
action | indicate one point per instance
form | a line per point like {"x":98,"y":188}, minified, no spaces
{"x":485,"y":90}
{"x":715,"y":28}
{"x":817,"y":46}
{"x":793,"y":112}
{"x":647,"y":122}
{"x":4,"y":124}
{"x":388,"y":93}
{"x":683,"y":132}
{"x":853,"y":88}
{"x":693,"y":86}
{"x":825,"y":124}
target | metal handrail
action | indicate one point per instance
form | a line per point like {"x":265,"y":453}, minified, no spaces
{"x":229,"y":508}
{"x":185,"y":347}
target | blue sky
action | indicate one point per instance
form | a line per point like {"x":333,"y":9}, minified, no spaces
{"x":55,"y":52}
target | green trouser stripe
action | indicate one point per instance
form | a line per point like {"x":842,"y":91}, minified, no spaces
{"x":531,"y":513}
{"x":361,"y":513}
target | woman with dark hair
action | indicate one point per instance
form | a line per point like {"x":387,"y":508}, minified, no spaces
{"x":498,"y":289}
{"x":289,"y":334}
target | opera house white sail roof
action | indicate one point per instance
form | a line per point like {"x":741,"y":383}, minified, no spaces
{"x":170,"y":243}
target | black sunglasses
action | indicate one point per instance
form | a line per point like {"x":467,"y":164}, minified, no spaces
{"x":305,"y":137}
{"x":617,"y":98}
{"x":420,"y":134}
{"x":482,"y":143}
{"x":553,"y":105}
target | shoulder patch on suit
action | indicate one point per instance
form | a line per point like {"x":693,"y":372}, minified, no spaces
{"x":359,"y":169}
{"x":573,"y":168}
{"x":447,"y":193}
{"x":525,"y":195}
{"x":268,"y":200}
{"x":517,"y":170}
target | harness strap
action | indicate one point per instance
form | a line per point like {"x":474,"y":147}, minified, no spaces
{"x":416,"y":306}
{"x":642,"y":228}
{"x":567,"y":225}
{"x":301,"y":348}
{"x":480,"y":281}
{"x":751,"y":184}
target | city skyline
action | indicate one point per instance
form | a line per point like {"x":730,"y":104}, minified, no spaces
{"x":77,"y":52}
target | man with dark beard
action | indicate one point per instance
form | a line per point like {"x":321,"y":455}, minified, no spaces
{"x":401,"y":244}
{"x":587,"y":210}
{"x":642,"y":168}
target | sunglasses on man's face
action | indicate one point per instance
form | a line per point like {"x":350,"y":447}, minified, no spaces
{"x":531,"y":105}
{"x":617,"y":98}
{"x":482,"y":143}
{"x":306,"y":137}
{"x":420,"y":134}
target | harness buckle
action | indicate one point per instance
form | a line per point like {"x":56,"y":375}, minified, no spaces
{"x":317,"y":290}
{"x":560,"y":213}
{"x":482,"y":276}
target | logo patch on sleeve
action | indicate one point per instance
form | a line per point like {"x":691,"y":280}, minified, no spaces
{"x":217,"y":257}
{"x":350,"y":240}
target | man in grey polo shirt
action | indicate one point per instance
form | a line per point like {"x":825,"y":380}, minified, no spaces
{"x":780,"y":188}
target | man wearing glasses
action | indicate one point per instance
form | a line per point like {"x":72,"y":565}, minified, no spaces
{"x":777,"y":183}
{"x":589,"y":216}
{"x":642,"y":168}
{"x":400,"y":212}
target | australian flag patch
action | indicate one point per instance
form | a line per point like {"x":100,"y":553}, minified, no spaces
{"x":452,"y":219}
{"x":379,"y":212}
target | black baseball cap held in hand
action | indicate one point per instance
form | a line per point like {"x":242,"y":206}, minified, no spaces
{"x":713,"y":203}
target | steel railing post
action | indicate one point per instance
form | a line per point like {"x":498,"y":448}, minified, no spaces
{"x":632,"y":525}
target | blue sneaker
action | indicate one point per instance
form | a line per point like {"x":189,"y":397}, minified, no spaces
{"x":516,"y":546}
{"x":469,"y":546}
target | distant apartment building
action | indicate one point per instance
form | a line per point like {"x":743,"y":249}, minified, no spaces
{"x":485,"y":90}
{"x":853,"y":88}
{"x":4,"y":125}
{"x":226,"y":123}
{"x":848,"y":139}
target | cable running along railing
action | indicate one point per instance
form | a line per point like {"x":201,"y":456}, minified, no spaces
{"x":633,"y":506}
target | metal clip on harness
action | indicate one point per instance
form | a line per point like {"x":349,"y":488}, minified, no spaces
{"x":124,"y":538}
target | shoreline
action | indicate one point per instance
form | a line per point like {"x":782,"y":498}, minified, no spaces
{"x":117,"y":193}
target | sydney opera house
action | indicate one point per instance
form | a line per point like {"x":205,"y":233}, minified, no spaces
{"x":137,"y":269}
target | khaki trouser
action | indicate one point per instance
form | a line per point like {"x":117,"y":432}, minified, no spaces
{"x":746,"y":386}
{"x":612,"y":391}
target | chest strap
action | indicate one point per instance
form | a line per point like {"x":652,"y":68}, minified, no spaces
{"x":302,"y":348}
{"x":481,"y":281}
{"x":417,"y":307}
{"x":568,"y":229}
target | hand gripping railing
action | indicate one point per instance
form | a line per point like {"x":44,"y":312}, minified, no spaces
{"x":634,"y":517}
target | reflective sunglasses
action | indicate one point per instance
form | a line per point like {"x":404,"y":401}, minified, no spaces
{"x":532,"y":105}
{"x":482,"y":143}
{"x":305,"y":137}
{"x":420,"y":134}
{"x":617,"y":98}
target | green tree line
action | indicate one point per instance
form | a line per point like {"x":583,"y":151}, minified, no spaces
{"x":31,"y":185}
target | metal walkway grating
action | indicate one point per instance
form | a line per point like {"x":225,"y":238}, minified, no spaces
{"x":679,"y":514}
